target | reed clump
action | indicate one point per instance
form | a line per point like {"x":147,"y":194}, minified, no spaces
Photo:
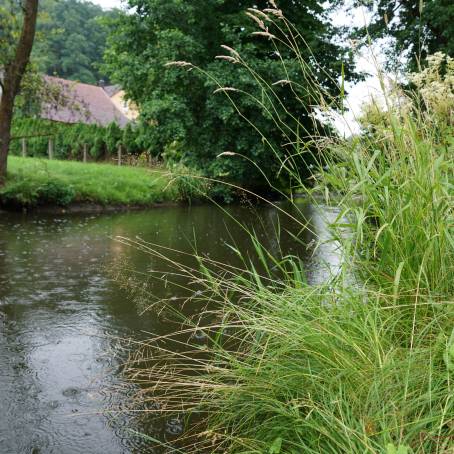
{"x":363,"y":362}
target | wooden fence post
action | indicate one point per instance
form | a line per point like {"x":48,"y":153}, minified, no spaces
{"x":50,"y":148}
{"x":85,"y":152}
{"x":119,"y":155}
{"x":24,"y":147}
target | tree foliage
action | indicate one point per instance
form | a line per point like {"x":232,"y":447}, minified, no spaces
{"x":9,"y":29}
{"x":71,"y":39}
{"x":417,"y":28}
{"x":183,"y":120}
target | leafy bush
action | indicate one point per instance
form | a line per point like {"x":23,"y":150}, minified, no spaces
{"x":26,"y":193}
{"x":19,"y":193}
{"x":55,"y":191}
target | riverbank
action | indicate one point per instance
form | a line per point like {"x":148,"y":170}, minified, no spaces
{"x":34,"y":183}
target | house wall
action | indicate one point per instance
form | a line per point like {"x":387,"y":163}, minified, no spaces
{"x":128,"y":108}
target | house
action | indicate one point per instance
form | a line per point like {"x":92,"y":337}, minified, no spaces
{"x":69,"y":101}
{"x":117,"y":96}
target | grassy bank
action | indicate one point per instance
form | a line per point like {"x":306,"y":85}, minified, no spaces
{"x":361,"y":363}
{"x":33,"y":182}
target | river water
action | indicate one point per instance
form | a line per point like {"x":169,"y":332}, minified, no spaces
{"x":62,"y":313}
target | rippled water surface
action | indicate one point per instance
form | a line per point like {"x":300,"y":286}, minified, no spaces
{"x":61,"y":314}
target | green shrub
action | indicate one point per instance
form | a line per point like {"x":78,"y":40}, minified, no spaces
{"x":19,"y":193}
{"x":55,"y":191}
{"x":69,"y":139}
{"x":27,"y":193}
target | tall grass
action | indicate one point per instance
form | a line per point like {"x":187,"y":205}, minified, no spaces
{"x":361,"y":363}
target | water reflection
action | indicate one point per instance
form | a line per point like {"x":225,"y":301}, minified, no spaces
{"x":60,"y":313}
{"x":326,"y":258}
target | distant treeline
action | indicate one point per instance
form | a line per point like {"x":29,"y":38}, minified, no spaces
{"x":71,"y":39}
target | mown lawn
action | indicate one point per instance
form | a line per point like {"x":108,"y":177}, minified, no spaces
{"x":33,"y":181}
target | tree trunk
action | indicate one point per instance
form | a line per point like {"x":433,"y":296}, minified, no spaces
{"x":13,"y":72}
{"x":6,"y":114}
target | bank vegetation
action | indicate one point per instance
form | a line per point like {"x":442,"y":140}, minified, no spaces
{"x":363,"y":362}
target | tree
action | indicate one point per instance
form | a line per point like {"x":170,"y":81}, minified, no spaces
{"x":180,"y":115}
{"x":14,"y":63}
{"x":72,"y":36}
{"x":417,"y":28}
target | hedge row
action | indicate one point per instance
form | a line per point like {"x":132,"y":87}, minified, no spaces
{"x":69,"y":139}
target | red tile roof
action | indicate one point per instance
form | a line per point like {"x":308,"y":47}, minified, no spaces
{"x":80,"y":103}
